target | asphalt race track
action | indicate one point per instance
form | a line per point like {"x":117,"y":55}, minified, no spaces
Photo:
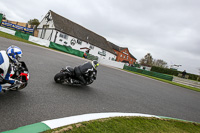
{"x":113,"y":91}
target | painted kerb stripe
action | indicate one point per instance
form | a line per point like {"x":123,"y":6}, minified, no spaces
{"x":55,"y":123}
{"x":33,"y":128}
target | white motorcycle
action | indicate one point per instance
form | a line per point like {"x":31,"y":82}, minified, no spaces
{"x":20,"y":73}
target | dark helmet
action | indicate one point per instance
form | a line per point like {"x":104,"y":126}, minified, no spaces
{"x":95,"y":63}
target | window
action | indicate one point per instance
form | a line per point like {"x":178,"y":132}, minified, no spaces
{"x":63,"y":36}
{"x":131,"y":59}
{"x":121,"y":55}
{"x":127,"y":57}
{"x":91,"y":47}
{"x":79,"y":41}
{"x":124,"y":57}
{"x":104,"y":52}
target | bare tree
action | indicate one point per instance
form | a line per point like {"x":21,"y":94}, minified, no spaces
{"x":159,"y":63}
{"x":147,"y":60}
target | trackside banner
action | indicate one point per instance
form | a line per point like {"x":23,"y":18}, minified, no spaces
{"x":17,"y":27}
{"x":1,"y":16}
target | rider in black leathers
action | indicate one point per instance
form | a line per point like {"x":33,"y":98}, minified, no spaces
{"x":87,"y":68}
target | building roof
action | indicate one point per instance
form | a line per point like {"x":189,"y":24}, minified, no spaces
{"x":115,"y":47}
{"x":66,"y":26}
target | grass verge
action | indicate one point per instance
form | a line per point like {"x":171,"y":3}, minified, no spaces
{"x":5,"y":35}
{"x":129,"y":125}
{"x":166,"y":81}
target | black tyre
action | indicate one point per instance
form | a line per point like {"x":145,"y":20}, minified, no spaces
{"x":88,"y":83}
{"x":59,"y":78}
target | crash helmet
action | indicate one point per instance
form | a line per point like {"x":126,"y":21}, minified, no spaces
{"x":95,"y":63}
{"x":14,"y":53}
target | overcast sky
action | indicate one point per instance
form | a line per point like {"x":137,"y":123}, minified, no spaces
{"x":168,"y":29}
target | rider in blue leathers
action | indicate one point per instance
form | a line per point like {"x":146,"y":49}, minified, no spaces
{"x":8,"y":58}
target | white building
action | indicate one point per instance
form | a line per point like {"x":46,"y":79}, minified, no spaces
{"x":60,"y":30}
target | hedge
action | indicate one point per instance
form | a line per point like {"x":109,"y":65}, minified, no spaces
{"x":172,"y":72}
{"x":150,"y":73}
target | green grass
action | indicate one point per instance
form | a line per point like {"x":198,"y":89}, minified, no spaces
{"x":130,"y":125}
{"x":5,"y":35}
{"x":166,"y":81}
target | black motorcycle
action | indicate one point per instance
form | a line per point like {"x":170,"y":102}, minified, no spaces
{"x":67,"y":75}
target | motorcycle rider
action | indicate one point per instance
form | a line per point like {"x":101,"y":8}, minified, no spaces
{"x":86,"y":69}
{"x":8,"y":59}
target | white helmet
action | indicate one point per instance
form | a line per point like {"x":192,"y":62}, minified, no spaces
{"x":14,"y":53}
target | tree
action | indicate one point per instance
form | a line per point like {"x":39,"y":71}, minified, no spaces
{"x":34,"y":22}
{"x":159,"y":63}
{"x":147,"y":60}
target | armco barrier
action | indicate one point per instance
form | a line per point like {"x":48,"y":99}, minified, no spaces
{"x":12,"y":32}
{"x":66,"y":49}
{"x":150,"y":73}
{"x":111,"y":63}
{"x":39,"y":41}
{"x":22,"y":35}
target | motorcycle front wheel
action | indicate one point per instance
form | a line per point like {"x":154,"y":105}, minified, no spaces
{"x":88,"y":83}
{"x":59,"y":78}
